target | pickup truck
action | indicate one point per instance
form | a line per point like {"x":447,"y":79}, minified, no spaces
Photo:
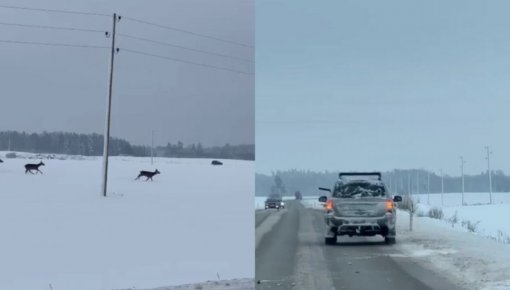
{"x":359,"y":204}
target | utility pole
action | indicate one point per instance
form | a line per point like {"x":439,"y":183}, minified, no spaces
{"x":409,"y":187}
{"x":152,"y":148}
{"x":395,"y":184}
{"x":462,"y":162}
{"x":489,"y":153}
{"x":418,"y":181}
{"x":442,"y":185}
{"x":391,"y":184}
{"x":428,"y":187}
{"x":106,"y":145}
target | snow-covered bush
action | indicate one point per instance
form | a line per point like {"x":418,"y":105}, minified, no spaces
{"x":503,"y":237}
{"x":471,"y":226}
{"x":453,"y":219}
{"x":420,"y":213}
{"x":435,"y":213}
{"x":10,"y":155}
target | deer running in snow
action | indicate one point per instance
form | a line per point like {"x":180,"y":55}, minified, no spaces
{"x":147,"y":174}
{"x":29,"y":167}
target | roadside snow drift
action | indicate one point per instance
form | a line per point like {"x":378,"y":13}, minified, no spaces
{"x":189,"y":225}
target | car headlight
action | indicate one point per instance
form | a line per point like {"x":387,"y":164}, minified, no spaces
{"x":281,"y":203}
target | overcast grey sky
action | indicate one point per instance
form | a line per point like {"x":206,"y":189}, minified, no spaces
{"x":55,"y":88}
{"x":377,"y":85}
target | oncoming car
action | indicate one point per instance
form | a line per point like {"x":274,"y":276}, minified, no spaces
{"x":360,"y":205}
{"x":274,"y":201}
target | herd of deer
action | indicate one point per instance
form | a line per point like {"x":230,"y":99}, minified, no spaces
{"x":31,"y":167}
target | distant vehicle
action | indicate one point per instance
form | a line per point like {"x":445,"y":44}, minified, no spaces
{"x":1,"y":161}
{"x":298,"y":195}
{"x":360,"y":205}
{"x":216,"y":162}
{"x":30,"y":167}
{"x":274,"y":201}
{"x":147,"y":174}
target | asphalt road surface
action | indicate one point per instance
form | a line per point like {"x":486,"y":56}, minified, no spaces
{"x":291,"y":254}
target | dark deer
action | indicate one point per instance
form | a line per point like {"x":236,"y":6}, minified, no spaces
{"x":148,"y":174}
{"x":29,"y":167}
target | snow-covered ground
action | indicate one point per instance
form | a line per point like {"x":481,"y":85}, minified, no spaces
{"x":455,"y":199}
{"x":478,"y":217}
{"x":188,"y":225}
{"x":234,"y":284}
{"x":471,"y":260}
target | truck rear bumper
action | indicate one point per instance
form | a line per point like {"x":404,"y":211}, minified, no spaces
{"x":360,"y":226}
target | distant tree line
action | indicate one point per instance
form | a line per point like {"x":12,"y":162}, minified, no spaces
{"x":243,"y":152}
{"x":92,"y":145}
{"x":398,"y":181}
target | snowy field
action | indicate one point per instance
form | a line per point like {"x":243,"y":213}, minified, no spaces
{"x":235,"y":284}
{"x":488,"y":220}
{"x":188,"y":225}
{"x":455,"y":199}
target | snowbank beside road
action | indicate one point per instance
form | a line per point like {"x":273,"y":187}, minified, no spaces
{"x":477,"y":262}
{"x":476,"y":216}
{"x":56,"y":228}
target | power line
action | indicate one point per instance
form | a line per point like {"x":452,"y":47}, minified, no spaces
{"x":52,"y":27}
{"x":53,"y":10}
{"x":184,"y":47}
{"x":189,"y":32}
{"x":185,"y":61}
{"x":51,"y":44}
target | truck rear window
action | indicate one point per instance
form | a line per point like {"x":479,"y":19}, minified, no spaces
{"x":358,"y":190}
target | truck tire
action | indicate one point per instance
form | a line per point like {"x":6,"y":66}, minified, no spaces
{"x":330,"y":241}
{"x":390,"y":240}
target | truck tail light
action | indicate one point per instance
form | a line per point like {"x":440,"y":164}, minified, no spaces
{"x":329,"y":205}
{"x":390,"y":205}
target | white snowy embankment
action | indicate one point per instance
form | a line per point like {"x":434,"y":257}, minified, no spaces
{"x":473,"y":260}
{"x":477,"y":216}
{"x":186,"y":226}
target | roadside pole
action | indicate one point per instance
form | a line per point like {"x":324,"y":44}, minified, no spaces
{"x":152,"y":148}
{"x":106,"y":145}
{"x":428,"y":187}
{"x":489,"y":153}
{"x":442,"y":186}
{"x":462,"y":162}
